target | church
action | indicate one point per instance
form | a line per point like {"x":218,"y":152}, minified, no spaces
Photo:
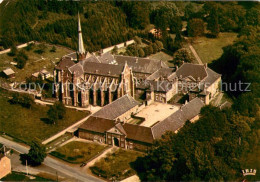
{"x":82,"y":78}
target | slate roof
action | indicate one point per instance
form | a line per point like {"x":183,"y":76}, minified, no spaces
{"x":161,"y":73}
{"x":106,"y":58}
{"x":194,"y":70}
{"x":138,"y":133}
{"x":76,"y":69}
{"x":117,"y":108}
{"x":212,"y":76}
{"x":142,"y":65}
{"x":65,"y":63}
{"x":102,"y":69}
{"x":95,"y":124}
{"x":178,"y":119}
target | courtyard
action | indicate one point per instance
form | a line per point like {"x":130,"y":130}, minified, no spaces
{"x":156,"y":112}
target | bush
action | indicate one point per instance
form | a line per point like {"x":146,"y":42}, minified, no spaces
{"x":23,"y":99}
{"x":137,"y":40}
{"x":141,"y":52}
{"x":53,"y":49}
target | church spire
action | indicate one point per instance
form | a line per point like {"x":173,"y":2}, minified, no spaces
{"x":81,"y":50}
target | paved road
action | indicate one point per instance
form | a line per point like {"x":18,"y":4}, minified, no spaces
{"x":52,"y":162}
{"x":195,"y":54}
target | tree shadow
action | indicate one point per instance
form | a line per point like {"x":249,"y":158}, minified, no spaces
{"x":46,"y":120}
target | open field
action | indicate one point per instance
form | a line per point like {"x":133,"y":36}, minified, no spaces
{"x":117,"y":165}
{"x":36,"y":62}
{"x":78,"y":152}
{"x":162,"y":56}
{"x":18,"y":176}
{"x":210,"y":49}
{"x":29,"y":124}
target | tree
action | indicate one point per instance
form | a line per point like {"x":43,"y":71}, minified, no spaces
{"x":57,"y":111}
{"x":115,"y":50}
{"x":36,"y":155}
{"x":141,"y":52}
{"x":52,"y":115}
{"x":21,"y":59}
{"x":155,"y":48}
{"x":182,"y":55}
{"x":41,"y":48}
{"x":53,"y":49}
{"x":13,"y":51}
{"x":195,"y":27}
{"x":150,"y":49}
{"x":137,"y":40}
{"x":213,"y":25}
{"x":159,"y":44}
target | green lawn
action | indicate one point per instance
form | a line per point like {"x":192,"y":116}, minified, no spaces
{"x":78,"y":152}
{"x":28,"y":124}
{"x":210,"y":49}
{"x":162,"y":56}
{"x":17,"y":176}
{"x":54,"y":143}
{"x":35,"y":63}
{"x":116,"y":166}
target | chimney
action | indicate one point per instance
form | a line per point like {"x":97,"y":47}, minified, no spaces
{"x":136,"y":60}
{"x":177,"y":67}
{"x":206,"y":65}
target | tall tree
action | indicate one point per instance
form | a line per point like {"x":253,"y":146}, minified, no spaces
{"x":195,"y":27}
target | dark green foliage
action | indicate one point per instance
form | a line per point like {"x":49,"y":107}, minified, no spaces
{"x":41,"y":48}
{"x":56,"y":112}
{"x":104,"y":24}
{"x":206,"y":150}
{"x":195,"y":27}
{"x":137,"y":13}
{"x":138,"y":40}
{"x":141,"y":52}
{"x":182,"y":55}
{"x":21,"y":59}
{"x":213,"y":25}
{"x":36,"y":155}
{"x":13,"y":51}
{"x":53,"y":49}
{"x":24,"y":100}
{"x":229,"y":15}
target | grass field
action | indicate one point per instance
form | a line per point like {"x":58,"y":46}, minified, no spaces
{"x":162,"y":56}
{"x":35,"y":63}
{"x":28,"y":124}
{"x":210,"y":49}
{"x":78,"y":152}
{"x":116,"y":166}
{"x":17,"y":176}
